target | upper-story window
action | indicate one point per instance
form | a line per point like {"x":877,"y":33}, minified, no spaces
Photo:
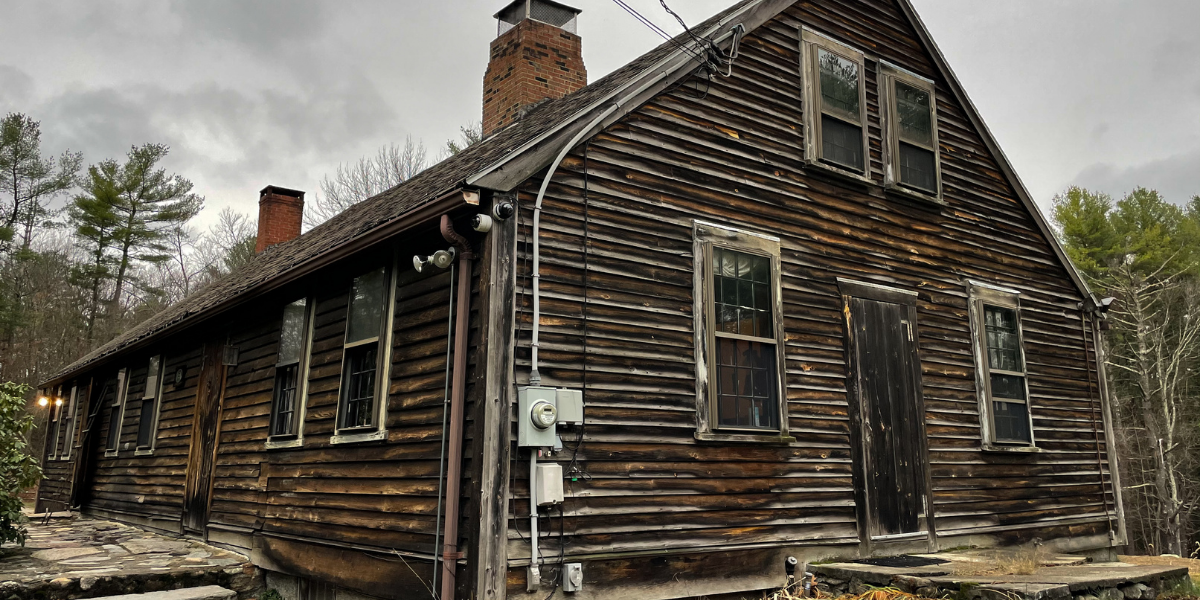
{"x":289,"y":370}
{"x":1000,"y":366}
{"x":68,"y":423}
{"x":739,"y":328}
{"x":835,"y":109}
{"x":911,"y":158}
{"x":149,"y":409}
{"x":366,"y":346}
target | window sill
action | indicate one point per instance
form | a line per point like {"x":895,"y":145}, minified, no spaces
{"x":354,"y":438}
{"x":841,"y":173}
{"x":295,"y":442}
{"x":111,"y":453}
{"x":744,"y":438}
{"x":144,"y":452}
{"x":911,"y":194}
{"x":1015,"y":449}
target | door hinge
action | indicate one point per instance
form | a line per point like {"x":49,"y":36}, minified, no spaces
{"x":908,"y":328}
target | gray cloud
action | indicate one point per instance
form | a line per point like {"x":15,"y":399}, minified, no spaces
{"x":1177,"y":178}
{"x":15,"y":87}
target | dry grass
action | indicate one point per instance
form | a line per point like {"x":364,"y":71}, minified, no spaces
{"x":886,"y":593}
{"x":1025,"y":560}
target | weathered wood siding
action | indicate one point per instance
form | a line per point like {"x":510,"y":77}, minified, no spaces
{"x":729,"y":151}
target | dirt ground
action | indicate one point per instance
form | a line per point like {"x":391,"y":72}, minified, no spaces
{"x":1192,"y":564}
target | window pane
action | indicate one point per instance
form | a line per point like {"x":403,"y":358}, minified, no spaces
{"x":1012,"y":422}
{"x":358,"y":392}
{"x":291,"y":336}
{"x":839,"y":85}
{"x":284,"y":408}
{"x":747,"y":392}
{"x":152,"y":375}
{"x":366,"y":306}
{"x":1003,"y":343}
{"x":1008,"y":386}
{"x":146,"y":424}
{"x":912,"y":108}
{"x":743,"y":304}
{"x":114,"y":428}
{"x":841,"y":143}
{"x":917,"y":167}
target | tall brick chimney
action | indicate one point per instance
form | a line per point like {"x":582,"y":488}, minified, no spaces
{"x":536,"y":56}
{"x":280,"y":213}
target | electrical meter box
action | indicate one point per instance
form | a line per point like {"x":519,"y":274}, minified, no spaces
{"x":536,"y":417}
{"x":570,"y":406}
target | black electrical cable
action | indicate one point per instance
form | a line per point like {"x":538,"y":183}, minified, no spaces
{"x":698,"y":56}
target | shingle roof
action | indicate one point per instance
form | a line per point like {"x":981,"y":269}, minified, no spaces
{"x":387,"y":207}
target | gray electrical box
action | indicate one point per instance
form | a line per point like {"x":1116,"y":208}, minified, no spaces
{"x":572,"y":577}
{"x":549,"y":484}
{"x":570,"y":406}
{"x":536,"y":417}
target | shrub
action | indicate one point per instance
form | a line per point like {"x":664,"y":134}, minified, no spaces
{"x":18,"y":467}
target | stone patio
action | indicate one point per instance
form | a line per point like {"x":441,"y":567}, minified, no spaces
{"x":80,"y":557}
{"x":964,"y":576}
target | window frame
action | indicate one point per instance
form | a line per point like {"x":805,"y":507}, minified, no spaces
{"x":71,"y":417}
{"x":152,"y":393}
{"x":296,"y":437}
{"x":811,"y":42}
{"x":982,"y":295}
{"x":57,"y":405}
{"x":706,"y":237}
{"x":889,"y":75}
{"x":383,"y":358}
{"x":118,"y":404}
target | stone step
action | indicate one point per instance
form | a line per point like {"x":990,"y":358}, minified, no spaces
{"x":207,"y":592}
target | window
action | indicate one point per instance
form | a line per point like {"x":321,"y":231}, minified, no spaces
{"x":911,"y":153}
{"x":289,"y":393}
{"x":1000,"y":367}
{"x":68,"y":424}
{"x":116,"y":416}
{"x":739,"y":325}
{"x":365,"y":345}
{"x":835,"y":109}
{"x":56,"y":412}
{"x":149,"y":409}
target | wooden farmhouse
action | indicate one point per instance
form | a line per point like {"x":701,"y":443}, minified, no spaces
{"x":769,"y":291}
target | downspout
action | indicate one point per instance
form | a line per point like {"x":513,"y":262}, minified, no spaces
{"x":458,"y":392}
{"x":1083,"y":325}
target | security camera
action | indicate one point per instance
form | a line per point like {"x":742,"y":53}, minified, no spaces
{"x":481,"y":223}
{"x":503,"y":210}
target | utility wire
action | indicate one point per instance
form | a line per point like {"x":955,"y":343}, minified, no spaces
{"x":697,"y":55}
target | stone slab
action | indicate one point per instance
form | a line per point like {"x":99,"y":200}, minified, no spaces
{"x":208,"y":592}
{"x":155,"y":545}
{"x":55,"y":554}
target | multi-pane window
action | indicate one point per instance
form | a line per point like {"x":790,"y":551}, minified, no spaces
{"x":745,"y":335}
{"x":835,"y":111}
{"x":116,"y":415}
{"x":911,"y":156}
{"x":148,"y":411}
{"x":68,"y":424}
{"x":1001,"y":374}
{"x":56,"y":415}
{"x":293,"y":338}
{"x":364,"y":329}
{"x":738,"y":315}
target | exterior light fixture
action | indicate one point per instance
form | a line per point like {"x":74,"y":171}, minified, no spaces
{"x":43,"y":401}
{"x":58,"y":401}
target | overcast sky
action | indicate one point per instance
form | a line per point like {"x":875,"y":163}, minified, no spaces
{"x":1101,"y":93}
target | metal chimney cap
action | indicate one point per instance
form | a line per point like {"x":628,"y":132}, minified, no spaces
{"x":545,"y":11}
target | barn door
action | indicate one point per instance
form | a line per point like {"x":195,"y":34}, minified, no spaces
{"x":205,"y":425}
{"x":891,"y":478}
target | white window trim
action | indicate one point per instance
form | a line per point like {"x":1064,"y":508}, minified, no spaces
{"x":705,"y":237}
{"x":158,"y":402}
{"x":119,"y":401}
{"x":889,"y":74}
{"x":810,"y":42}
{"x":980,"y":294}
{"x":68,"y":441}
{"x":382,"y":372}
{"x":57,"y":411}
{"x":297,"y":440}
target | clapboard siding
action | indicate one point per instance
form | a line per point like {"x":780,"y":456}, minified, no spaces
{"x":729,"y":151}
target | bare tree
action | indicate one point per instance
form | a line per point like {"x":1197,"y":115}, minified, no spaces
{"x":353,"y":183}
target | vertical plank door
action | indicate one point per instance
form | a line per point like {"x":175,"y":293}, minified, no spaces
{"x":203,"y":452}
{"x":886,"y":369}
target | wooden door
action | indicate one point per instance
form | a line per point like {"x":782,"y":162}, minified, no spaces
{"x":891,"y":476}
{"x":206,"y":424}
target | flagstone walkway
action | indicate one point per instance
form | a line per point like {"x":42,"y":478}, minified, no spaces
{"x":82,"y":557}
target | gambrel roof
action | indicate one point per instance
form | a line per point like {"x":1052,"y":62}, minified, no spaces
{"x":501,"y":162}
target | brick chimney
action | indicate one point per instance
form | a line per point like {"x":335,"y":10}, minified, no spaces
{"x":536,"y":56}
{"x":280,"y":213}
